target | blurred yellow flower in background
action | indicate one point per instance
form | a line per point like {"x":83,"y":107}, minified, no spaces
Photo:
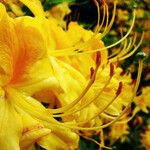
{"x":142,"y":101}
{"x":145,"y":138}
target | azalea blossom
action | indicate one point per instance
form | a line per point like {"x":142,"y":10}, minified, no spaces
{"x":24,"y":120}
{"x":69,"y":70}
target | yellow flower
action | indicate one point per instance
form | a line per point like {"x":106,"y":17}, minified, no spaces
{"x":142,"y":101}
{"x":86,"y":83}
{"x":25,"y":69}
{"x":145,"y":138}
{"x":73,"y":81}
{"x":118,"y":130}
{"x":58,"y":12}
{"x":14,"y":7}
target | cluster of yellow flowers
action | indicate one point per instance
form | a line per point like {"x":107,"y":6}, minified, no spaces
{"x":145,"y":138}
{"x":58,"y":84}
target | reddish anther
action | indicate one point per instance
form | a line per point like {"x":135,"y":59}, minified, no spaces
{"x":95,"y":2}
{"x":25,"y":130}
{"x":122,"y":73}
{"x":92,"y":72}
{"x":104,"y":3}
{"x":111,"y":69}
{"x":98,"y":58}
{"x":133,"y":82}
{"x":119,"y":88}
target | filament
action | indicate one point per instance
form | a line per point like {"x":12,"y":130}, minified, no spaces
{"x":111,"y":22}
{"x":77,"y":51}
{"x":134,"y":50}
{"x":69,"y":106}
{"x":86,"y":104}
{"x":121,"y":114}
{"x":91,"y":139}
{"x":98,"y":16}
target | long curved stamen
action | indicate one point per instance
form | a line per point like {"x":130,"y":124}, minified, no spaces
{"x":108,"y":27}
{"x":102,"y":138}
{"x":122,"y":48}
{"x":83,"y":46}
{"x":88,"y":103}
{"x":107,"y":20}
{"x":98,"y":28}
{"x":118,"y":50}
{"x":21,"y":101}
{"x":126,"y":120}
{"x":77,"y":51}
{"x":91,"y":139}
{"x":109,"y":116}
{"x":72,"y":104}
{"x":98,"y":15}
{"x":101,"y":111}
{"x":122,"y":113}
{"x":134,"y":50}
{"x":125,"y":53}
{"x":126,"y":48}
{"x":103,"y":19}
{"x":121,"y":121}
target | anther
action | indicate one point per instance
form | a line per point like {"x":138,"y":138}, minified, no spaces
{"x":119,"y":88}
{"x":91,"y":72}
{"x":98,"y":58}
{"x":111,"y":69}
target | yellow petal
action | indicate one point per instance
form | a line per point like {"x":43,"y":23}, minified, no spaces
{"x":35,"y":6}
{"x":52,"y":142}
{"x":10,"y":126}
{"x":8,"y":45}
{"x":68,"y":82}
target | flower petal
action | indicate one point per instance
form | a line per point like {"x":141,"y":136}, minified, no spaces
{"x":10,"y":126}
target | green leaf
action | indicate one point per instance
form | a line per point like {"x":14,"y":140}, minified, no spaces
{"x":82,"y":145}
{"x":50,"y":3}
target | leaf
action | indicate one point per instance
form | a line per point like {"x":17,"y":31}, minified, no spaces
{"x":50,"y":3}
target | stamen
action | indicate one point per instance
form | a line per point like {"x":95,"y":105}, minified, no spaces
{"x":29,"y":107}
{"x":107,"y":20}
{"x":101,"y":111}
{"x":98,"y":58}
{"x":133,"y":43}
{"x":98,"y":15}
{"x":73,"y":103}
{"x":112,"y":69}
{"x":112,"y":20}
{"x":70,"y":51}
{"x":104,"y":12}
{"x":92,"y":100}
{"x":125,"y":50}
{"x":122,"y":113}
{"x":119,"y":88}
{"x":86,"y":104}
{"x":109,"y":116}
{"x":126,"y":120}
{"x":118,"y":50}
{"x":91,"y":139}
{"x":92,"y":72}
{"x":134,"y":50}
